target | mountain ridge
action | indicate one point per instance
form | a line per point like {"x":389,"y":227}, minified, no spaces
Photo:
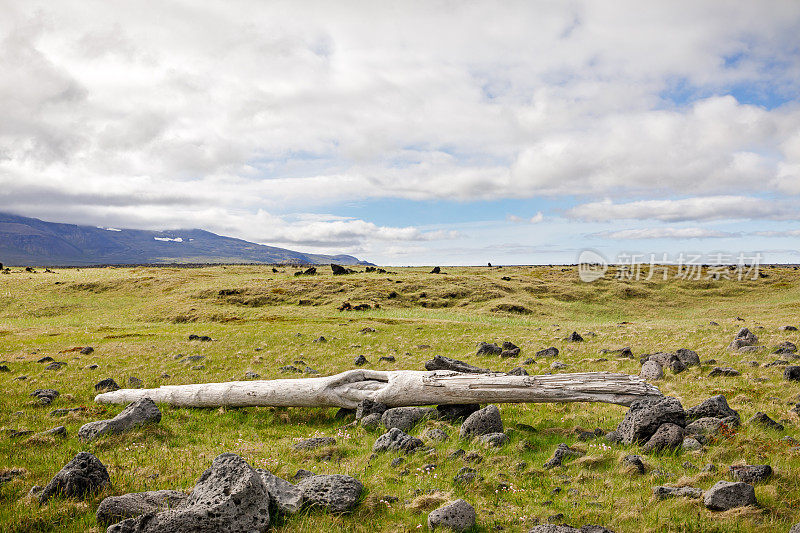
{"x":32,"y":241}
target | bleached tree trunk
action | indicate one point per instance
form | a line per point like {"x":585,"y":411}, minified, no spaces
{"x":399,"y":388}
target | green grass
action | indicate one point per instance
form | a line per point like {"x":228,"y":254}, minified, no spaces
{"x":138,"y":319}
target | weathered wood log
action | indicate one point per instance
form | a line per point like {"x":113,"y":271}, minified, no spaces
{"x":399,"y":388}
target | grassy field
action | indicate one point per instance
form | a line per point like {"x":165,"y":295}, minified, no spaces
{"x":139,"y":319}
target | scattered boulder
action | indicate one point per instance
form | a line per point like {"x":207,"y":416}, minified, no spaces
{"x":314,"y":443}
{"x":667,"y":436}
{"x":764,"y":420}
{"x":662,"y":493}
{"x":482,"y":422}
{"x":518,"y":371}
{"x":138,"y":413}
{"x":619,"y":352}
{"x":691,"y":444}
{"x":706,"y":426}
{"x":335,"y":493}
{"x":589,"y":435}
{"x":436,"y":270}
{"x":723,"y":371}
{"x":688,"y":357}
{"x":405,"y":418}
{"x":651,"y":371}
{"x":562,"y":452}
{"x":18,"y":433}
{"x":55,"y":365}
{"x":116,"y":508}
{"x":634,"y":462}
{"x":743,"y":338}
{"x":786,"y":347}
{"x":493,"y":439}
{"x":80,"y":477}
{"x":360,"y":361}
{"x":441,"y":362}
{"x":7,"y":475}
{"x":791,"y":373}
{"x":86,"y":350}
{"x":368,"y":407}
{"x":284,"y":497}
{"x":339,"y":270}
{"x":486,"y":348}
{"x":509,"y":349}
{"x":45,"y":396}
{"x":465,"y":475}
{"x":201,"y":338}
{"x":471,"y":457}
{"x":396,"y":440}
{"x":251,"y":375}
{"x":229,"y":497}
{"x":58,"y":431}
{"x":751,"y":473}
{"x":457,"y":516}
{"x":726,"y":495}
{"x":666,"y":360}
{"x":371,"y":421}
{"x":436,"y":434}
{"x":645,"y":417}
{"x":557,"y":365}
{"x":574,"y":337}
{"x":547,"y":352}
{"x":714,"y":407}
{"x":106,"y":385}
{"x":510,"y":353}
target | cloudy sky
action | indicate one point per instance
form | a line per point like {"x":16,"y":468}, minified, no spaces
{"x":411,"y":133}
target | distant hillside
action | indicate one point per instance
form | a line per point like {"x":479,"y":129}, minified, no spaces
{"x":30,"y":241}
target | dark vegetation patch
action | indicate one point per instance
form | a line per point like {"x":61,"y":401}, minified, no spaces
{"x":512,"y":308}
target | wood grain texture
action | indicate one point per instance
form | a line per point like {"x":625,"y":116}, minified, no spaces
{"x":399,"y":388}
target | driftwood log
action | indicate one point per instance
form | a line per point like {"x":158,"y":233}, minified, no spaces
{"x":399,"y":388}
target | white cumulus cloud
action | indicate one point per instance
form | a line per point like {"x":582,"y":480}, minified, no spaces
{"x":686,"y":209}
